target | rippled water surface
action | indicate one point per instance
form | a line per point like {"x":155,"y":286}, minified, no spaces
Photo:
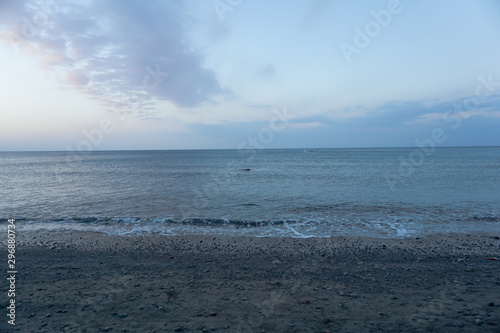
{"x":298,"y":193}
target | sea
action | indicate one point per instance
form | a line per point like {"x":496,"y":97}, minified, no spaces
{"x":376,"y":192}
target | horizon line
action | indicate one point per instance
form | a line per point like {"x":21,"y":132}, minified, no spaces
{"x":197,"y":149}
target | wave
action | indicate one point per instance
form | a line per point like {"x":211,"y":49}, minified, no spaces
{"x":382,"y":227}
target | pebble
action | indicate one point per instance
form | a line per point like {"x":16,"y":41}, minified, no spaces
{"x":305,"y":302}
{"x":213,"y":314}
{"x":123,"y":315}
{"x":478,"y":321}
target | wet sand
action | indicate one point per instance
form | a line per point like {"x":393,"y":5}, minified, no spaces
{"x":90,"y":282}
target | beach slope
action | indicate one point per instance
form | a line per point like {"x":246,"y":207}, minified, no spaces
{"x":91,"y":282}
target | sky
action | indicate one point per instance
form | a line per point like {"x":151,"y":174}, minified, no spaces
{"x":229,"y":74}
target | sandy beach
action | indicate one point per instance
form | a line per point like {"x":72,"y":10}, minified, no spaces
{"x":91,"y":282}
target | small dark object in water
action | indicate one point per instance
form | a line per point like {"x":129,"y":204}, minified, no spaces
{"x":245,"y":169}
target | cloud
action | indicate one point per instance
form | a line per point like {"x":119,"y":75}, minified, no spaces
{"x":430,"y":118}
{"x":401,"y":114}
{"x":123,"y":53}
{"x":316,"y":8}
{"x":432,"y":114}
{"x":427,"y":118}
{"x":305,"y":125}
{"x":268,"y":70}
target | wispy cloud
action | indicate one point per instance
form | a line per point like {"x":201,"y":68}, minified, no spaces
{"x":305,"y":125}
{"x":107,"y":49}
{"x":316,"y":8}
{"x":435,"y":113}
{"x":427,"y":118}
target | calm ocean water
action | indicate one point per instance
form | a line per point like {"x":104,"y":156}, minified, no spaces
{"x":393,"y":192}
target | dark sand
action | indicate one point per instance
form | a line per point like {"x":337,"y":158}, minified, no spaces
{"x":90,"y":282}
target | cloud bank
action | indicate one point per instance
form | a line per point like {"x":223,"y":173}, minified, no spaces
{"x":126,"y":54}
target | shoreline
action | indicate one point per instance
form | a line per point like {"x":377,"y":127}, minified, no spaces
{"x":92,"y":282}
{"x":294,"y":228}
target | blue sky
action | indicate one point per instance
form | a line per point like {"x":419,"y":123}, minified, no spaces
{"x":99,"y":75}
